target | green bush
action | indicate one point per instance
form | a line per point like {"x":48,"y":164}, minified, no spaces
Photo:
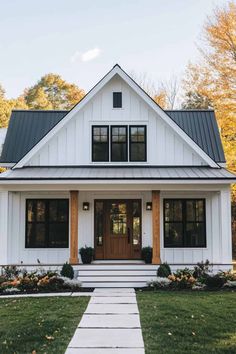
{"x":87,"y":254}
{"x":202,"y":269}
{"x":10,"y":272}
{"x":164,"y":270}
{"x":147,"y":254}
{"x":67,"y":271}
{"x":215,"y":281}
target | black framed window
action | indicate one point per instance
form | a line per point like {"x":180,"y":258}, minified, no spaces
{"x":184,"y":223}
{"x":119,"y":143}
{"x":138,"y":151}
{"x":47,"y":223}
{"x":117,"y":99}
{"x":100,"y":143}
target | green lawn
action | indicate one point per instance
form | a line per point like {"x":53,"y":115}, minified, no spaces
{"x":43,"y":325}
{"x":187,"y":322}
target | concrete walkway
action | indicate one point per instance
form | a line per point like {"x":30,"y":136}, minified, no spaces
{"x":110,"y":325}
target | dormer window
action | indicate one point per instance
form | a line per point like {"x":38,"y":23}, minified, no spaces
{"x":117,"y":99}
{"x":119,"y":143}
{"x":138,"y":149}
{"x":100,"y":146}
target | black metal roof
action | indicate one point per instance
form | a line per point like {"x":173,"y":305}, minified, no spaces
{"x":201,"y":126}
{"x":117,"y":173}
{"x":27,"y":128}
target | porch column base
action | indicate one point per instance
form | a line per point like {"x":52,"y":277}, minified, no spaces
{"x":74,"y":207}
{"x":156,"y":227}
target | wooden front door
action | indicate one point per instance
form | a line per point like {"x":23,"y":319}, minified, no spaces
{"x":117,"y":229}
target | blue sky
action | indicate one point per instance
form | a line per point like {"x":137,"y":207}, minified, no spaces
{"x":82,"y":40}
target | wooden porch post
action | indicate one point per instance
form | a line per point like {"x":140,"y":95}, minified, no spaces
{"x":74,"y":205}
{"x":156,"y":227}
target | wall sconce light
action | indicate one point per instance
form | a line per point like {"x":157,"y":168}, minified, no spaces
{"x":85,"y":206}
{"x":149,"y":206}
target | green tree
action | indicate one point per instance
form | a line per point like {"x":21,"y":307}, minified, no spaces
{"x":52,"y":92}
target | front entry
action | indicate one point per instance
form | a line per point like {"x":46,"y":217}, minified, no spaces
{"x":117,"y":229}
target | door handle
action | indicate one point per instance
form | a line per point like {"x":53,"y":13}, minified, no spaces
{"x":128,"y":230}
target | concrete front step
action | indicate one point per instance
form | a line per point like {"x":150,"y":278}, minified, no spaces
{"x":113,"y":285}
{"x":116,"y":275}
{"x":117,"y":272}
{"x":118,"y":278}
{"x":116,"y":266}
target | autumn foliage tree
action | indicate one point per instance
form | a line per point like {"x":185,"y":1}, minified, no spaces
{"x":6,"y":106}
{"x":52,"y":92}
{"x":212,"y":81}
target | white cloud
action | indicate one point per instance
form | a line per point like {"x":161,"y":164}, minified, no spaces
{"x":86,"y":56}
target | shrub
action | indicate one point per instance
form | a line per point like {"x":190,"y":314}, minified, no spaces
{"x":159,"y":283}
{"x":229,"y":275}
{"x":11,"y":290}
{"x":87,"y":254}
{"x":202,"y":269}
{"x":27,"y":283}
{"x":230,"y":284}
{"x":10,"y":272}
{"x":50,"y":284}
{"x":147,"y":254}
{"x":215,"y":281}
{"x":67,"y":271}
{"x":164,"y":270}
{"x":182,"y":279}
{"x":72,"y":284}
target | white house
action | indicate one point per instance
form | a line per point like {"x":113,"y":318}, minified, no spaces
{"x":3,"y":132}
{"x":117,"y":173}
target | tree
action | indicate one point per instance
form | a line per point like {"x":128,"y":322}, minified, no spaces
{"x":194,"y":100}
{"x":6,"y":106}
{"x":213,"y":79}
{"x":148,"y":85}
{"x":52,"y":92}
{"x":170,"y":88}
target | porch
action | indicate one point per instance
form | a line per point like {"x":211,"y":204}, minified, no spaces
{"x":146,"y":230}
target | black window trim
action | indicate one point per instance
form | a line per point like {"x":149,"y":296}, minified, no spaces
{"x":108,"y":136}
{"x":184,"y":222}
{"x":145,"y":143}
{"x":46,"y":222}
{"x":126,"y":142}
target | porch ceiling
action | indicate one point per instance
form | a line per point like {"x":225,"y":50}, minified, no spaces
{"x":118,"y":173}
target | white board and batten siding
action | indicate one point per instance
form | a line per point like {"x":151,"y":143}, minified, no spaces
{"x":72,"y":144}
{"x":218,"y":249}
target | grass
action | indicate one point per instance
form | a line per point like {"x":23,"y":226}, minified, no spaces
{"x":187,"y":322}
{"x":39,"y":325}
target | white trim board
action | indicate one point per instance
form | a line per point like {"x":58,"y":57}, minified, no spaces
{"x":116,"y":70}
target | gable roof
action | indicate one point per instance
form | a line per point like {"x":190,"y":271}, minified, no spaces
{"x":27,"y":128}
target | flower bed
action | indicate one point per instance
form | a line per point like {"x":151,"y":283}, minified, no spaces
{"x":200,"y":278}
{"x":15,"y":281}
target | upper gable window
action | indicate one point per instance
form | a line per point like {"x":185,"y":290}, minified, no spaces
{"x":118,"y":143}
{"x":117,"y":99}
{"x":100,"y":143}
{"x":137,"y":149}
